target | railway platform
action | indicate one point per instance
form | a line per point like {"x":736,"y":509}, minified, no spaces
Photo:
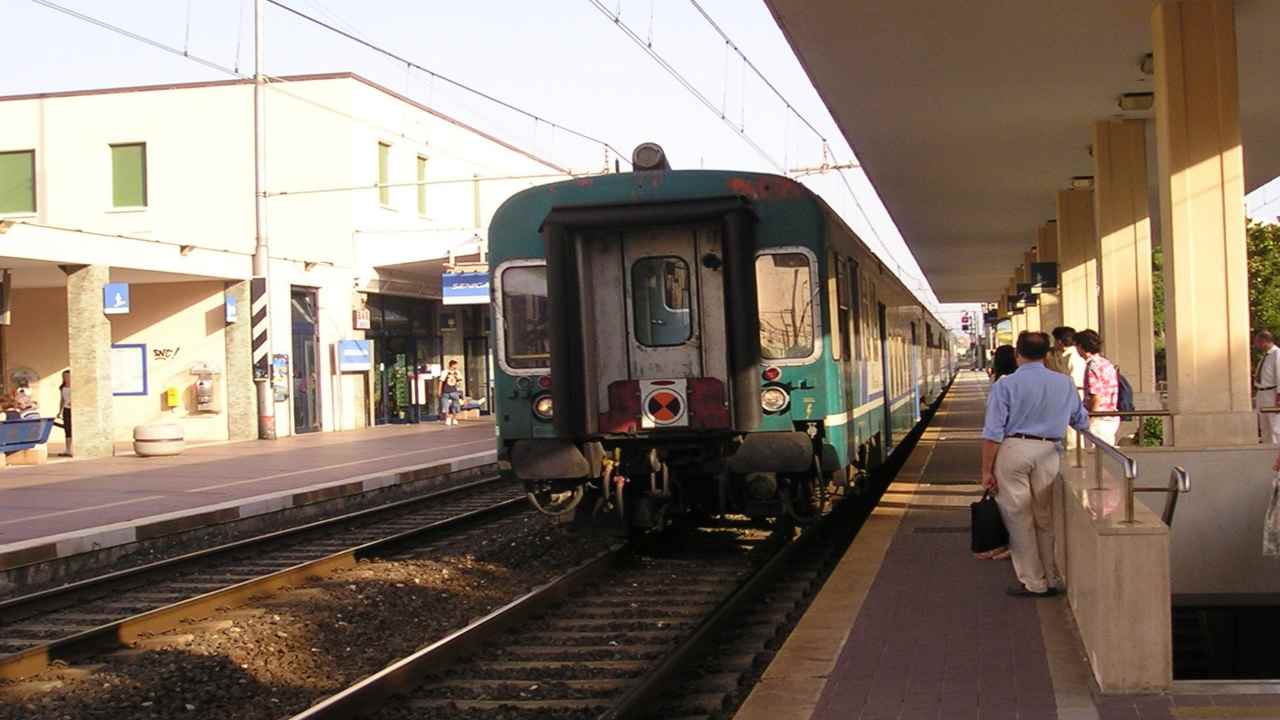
{"x":910,"y":626}
{"x":49,"y":513}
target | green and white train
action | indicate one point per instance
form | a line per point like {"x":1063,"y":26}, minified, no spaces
{"x":698,"y":341}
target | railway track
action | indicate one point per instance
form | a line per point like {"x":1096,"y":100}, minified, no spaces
{"x":112,"y":611}
{"x":604,"y":640}
{"x":627,"y":635}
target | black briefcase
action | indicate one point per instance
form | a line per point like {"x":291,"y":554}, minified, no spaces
{"x":986,"y":526}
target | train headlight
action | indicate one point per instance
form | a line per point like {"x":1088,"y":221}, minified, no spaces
{"x":774,"y":399}
{"x":542,"y":407}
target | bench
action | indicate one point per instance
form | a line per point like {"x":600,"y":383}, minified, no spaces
{"x":22,"y":442}
{"x":17,"y":435}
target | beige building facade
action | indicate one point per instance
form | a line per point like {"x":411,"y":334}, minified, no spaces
{"x":370,"y":198}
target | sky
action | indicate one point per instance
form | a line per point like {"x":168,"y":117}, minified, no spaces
{"x":563,"y":60}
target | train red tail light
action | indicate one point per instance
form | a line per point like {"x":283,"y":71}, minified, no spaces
{"x":544,"y":381}
{"x":771,"y":374}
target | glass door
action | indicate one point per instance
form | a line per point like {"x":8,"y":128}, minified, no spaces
{"x":306,"y":360}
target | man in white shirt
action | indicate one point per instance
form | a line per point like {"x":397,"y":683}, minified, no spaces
{"x":1265,"y":379}
{"x":1066,"y":359}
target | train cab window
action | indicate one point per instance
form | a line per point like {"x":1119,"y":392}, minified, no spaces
{"x":526,"y":342}
{"x":661,"y":300}
{"x":784,"y":287}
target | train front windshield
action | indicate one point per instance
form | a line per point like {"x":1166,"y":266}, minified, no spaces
{"x":784,"y":286}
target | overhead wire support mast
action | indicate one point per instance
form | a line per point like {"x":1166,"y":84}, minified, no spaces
{"x":259,"y":287}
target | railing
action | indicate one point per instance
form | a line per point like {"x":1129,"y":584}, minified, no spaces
{"x":1141,"y":416}
{"x":1179,"y":479}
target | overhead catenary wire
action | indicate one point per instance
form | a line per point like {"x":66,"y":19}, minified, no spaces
{"x":437,"y":75}
{"x":680,"y":78}
{"x":792,"y":110}
{"x":420,"y":183}
{"x":274,"y":82}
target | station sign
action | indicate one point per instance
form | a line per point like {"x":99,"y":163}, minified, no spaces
{"x":115,"y":299}
{"x":466,"y":288}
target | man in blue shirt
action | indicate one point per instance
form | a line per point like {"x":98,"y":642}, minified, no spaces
{"x":1027,"y":415}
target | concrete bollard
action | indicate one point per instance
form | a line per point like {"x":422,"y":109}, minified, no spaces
{"x":158,"y":439}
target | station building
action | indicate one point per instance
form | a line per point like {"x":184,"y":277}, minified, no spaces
{"x":127,"y":225}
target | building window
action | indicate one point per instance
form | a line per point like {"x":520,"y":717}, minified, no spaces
{"x":18,"y":181}
{"x":422,"y":187}
{"x":384,"y":161}
{"x":129,"y":175}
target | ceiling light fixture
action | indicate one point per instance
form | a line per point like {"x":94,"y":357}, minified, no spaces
{"x":1136,"y":102}
{"x":1082,"y":182}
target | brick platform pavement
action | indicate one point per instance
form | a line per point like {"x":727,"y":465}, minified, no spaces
{"x":910,"y":627}
{"x":60,"y":509}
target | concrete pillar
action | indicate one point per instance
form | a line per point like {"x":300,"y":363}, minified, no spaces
{"x":1047,"y":252}
{"x":89,"y":348}
{"x":1201,"y":172}
{"x":1019,"y":319}
{"x":242,"y":399}
{"x":1124,"y":253}
{"x":1078,"y":259}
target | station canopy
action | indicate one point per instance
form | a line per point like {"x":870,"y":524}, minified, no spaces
{"x":969,"y":116}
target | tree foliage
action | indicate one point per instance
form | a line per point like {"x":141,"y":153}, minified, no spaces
{"x":1264,"y":286}
{"x":1264,"y":277}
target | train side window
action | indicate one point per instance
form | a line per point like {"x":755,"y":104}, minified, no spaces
{"x":526,"y":342}
{"x":784,"y":286}
{"x":660,"y":299}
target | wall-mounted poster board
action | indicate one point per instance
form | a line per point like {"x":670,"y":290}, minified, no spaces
{"x":129,"y":369}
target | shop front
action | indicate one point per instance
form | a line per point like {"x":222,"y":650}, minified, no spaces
{"x":413,"y":341}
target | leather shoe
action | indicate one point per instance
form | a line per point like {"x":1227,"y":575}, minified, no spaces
{"x":1021,"y":590}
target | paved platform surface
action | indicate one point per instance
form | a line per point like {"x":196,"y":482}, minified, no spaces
{"x":910,"y":626}
{"x":59,"y":500}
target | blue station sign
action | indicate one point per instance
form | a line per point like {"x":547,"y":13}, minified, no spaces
{"x":115,"y":298}
{"x":354,"y":356}
{"x":466,"y":288}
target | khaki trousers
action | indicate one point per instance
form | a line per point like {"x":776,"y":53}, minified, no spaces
{"x":1026,"y":471}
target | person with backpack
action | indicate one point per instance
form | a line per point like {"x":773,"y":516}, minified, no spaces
{"x":1101,"y":386}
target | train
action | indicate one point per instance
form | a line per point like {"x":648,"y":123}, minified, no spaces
{"x":697,"y":343}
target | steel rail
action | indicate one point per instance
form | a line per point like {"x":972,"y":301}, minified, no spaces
{"x":63,"y":596}
{"x":120,"y":633}
{"x":404,"y":675}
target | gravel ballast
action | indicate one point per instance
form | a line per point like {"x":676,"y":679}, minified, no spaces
{"x":274,"y":658}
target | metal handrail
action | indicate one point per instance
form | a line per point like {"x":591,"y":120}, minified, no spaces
{"x":1179,"y":478}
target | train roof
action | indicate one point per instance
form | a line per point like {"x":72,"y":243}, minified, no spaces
{"x":528,"y":208}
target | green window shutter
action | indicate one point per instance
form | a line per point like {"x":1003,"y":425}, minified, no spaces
{"x":129,"y":175}
{"x":422,"y":189}
{"x":18,"y":181}
{"x":384,"y":156}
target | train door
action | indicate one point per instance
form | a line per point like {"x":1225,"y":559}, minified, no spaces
{"x":916,"y":379}
{"x":844,"y":322}
{"x":664,"y":293}
{"x":883,"y":320}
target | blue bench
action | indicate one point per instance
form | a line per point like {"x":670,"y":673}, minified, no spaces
{"x":16,"y":435}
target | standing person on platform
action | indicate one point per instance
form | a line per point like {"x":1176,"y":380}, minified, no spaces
{"x":1265,"y":379}
{"x":1003,"y":362}
{"x":1101,"y":386}
{"x":64,"y":408}
{"x":451,"y":394}
{"x":1026,"y":415}
{"x":1065,"y":358}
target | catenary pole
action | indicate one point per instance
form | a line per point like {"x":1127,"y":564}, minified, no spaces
{"x":260,"y":314}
